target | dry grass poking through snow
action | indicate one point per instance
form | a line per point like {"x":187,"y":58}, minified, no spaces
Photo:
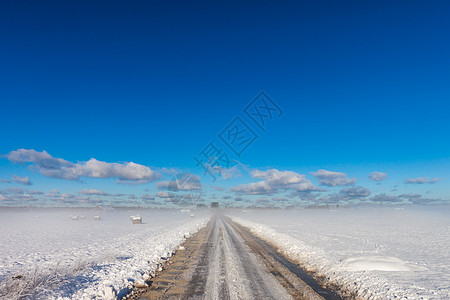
{"x":38,"y":282}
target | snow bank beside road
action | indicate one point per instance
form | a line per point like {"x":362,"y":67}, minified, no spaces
{"x":382,"y":253}
{"x":81,"y":259}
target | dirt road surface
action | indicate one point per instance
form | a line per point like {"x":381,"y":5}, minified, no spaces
{"x":225,"y":261}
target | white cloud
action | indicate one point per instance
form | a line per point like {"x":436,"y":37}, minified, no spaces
{"x":43,"y":159}
{"x":331,"y":178}
{"x":92,"y":192}
{"x":421,"y":180}
{"x":5,"y":181}
{"x":34,"y":192}
{"x":224,"y":173}
{"x":279,"y":178}
{"x":233,"y":172}
{"x":410,"y":196}
{"x":148,"y":197}
{"x":304,"y":196}
{"x":164,"y":195}
{"x":421,"y":200}
{"x":385,"y":198}
{"x":163,"y":185}
{"x":59,"y":168}
{"x":274,"y":181}
{"x":377,"y":176}
{"x":354,"y":193}
{"x":53,"y":193}
{"x":14,"y":190}
{"x":180,"y":182}
{"x":67,"y":196}
{"x":253,"y":188}
{"x":279,"y":199}
{"x":22,"y":180}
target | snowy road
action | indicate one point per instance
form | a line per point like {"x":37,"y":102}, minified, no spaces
{"x":232,"y":270}
{"x":225,"y":262}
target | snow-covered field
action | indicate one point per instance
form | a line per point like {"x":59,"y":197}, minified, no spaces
{"x":382,"y":253}
{"x":56,"y":257}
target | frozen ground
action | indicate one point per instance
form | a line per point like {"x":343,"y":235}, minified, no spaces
{"x":382,"y":253}
{"x":65,"y":259}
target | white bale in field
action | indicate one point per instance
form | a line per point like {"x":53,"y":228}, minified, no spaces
{"x":136,"y":220}
{"x":74,"y":218}
{"x":97,"y":218}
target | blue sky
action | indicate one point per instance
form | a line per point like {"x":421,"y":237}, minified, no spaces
{"x":363,"y":86}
